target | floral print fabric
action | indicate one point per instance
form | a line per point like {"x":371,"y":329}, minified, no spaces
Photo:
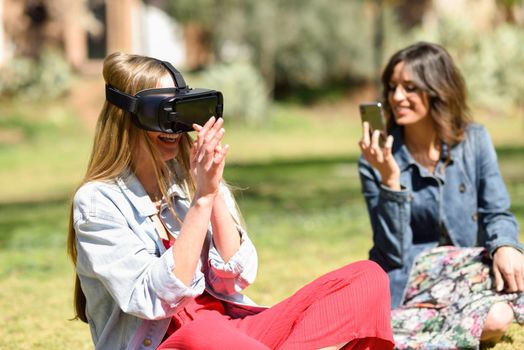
{"x":449,"y":294}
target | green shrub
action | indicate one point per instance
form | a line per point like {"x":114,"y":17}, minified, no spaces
{"x":305,"y":43}
{"x":49,"y":76}
{"x":294,"y":43}
{"x":495,"y":70}
{"x":17,"y":76}
{"x":245,"y":96}
{"x":491,"y":61}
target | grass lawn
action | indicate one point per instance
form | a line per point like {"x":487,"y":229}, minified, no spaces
{"x":297,"y":186}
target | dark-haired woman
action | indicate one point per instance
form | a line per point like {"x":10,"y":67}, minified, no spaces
{"x":439,"y":209}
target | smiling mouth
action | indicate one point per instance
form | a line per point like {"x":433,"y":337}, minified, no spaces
{"x":402,"y":110}
{"x":169,"y":138}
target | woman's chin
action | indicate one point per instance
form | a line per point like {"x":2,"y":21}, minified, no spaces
{"x":404,"y":119}
{"x":168,"y":157}
{"x":169,"y":153}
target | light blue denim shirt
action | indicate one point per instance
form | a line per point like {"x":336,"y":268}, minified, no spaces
{"x":126,"y":272}
{"x":465,"y":202}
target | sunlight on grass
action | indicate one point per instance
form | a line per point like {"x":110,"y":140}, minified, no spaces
{"x":36,"y":305}
{"x":297,"y":185}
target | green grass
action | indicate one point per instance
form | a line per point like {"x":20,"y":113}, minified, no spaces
{"x":297,"y":186}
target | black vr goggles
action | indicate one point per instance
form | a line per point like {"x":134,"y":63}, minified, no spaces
{"x":169,"y":110}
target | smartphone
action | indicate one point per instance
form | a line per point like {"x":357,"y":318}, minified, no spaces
{"x":372,"y":112}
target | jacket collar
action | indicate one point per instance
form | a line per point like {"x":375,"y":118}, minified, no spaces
{"x":400,"y":150}
{"x":405,"y":160}
{"x":138,"y":197}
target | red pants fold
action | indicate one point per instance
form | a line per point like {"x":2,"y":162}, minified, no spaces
{"x":349,"y":306}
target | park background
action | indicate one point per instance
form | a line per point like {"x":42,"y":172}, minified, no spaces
{"x":292,"y":73}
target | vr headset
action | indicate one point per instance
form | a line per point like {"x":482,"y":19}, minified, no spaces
{"x":169,"y":110}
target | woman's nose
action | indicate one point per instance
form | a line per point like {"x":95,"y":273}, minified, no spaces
{"x":399,"y":94}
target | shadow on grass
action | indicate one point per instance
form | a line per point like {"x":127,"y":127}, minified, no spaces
{"x":510,"y":151}
{"x":297,"y":185}
{"x":297,"y":162}
{"x":308,"y":184}
{"x":37,"y":221}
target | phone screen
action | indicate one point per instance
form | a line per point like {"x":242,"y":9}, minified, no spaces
{"x":374,"y":115}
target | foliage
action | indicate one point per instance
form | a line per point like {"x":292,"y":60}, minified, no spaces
{"x":494,"y":70}
{"x":314,"y":44}
{"x":306,"y":42}
{"x":245,"y":96}
{"x":201,"y":11}
{"x":509,"y":3}
{"x":394,"y":37}
{"x":47,"y":77}
{"x":491,"y":62}
{"x":293,"y":43}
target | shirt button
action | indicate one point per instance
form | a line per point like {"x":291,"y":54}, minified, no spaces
{"x":474,"y":217}
{"x":147,"y":342}
{"x":462,"y":188}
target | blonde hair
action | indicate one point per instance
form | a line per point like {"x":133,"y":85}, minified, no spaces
{"x":116,"y":139}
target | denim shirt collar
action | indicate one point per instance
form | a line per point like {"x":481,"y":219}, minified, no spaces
{"x":138,"y":197}
{"x":400,"y":150}
{"x":405,"y":160}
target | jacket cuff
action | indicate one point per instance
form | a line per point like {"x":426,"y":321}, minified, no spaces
{"x":236,"y":264}
{"x":167,"y":286}
{"x":401,"y":196}
{"x":493,"y":246}
{"x":238,"y":273}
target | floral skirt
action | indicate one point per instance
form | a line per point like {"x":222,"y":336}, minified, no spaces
{"x":449,"y":294}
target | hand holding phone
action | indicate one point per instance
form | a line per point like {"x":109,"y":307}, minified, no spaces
{"x":372,"y":113}
{"x":381,"y":159}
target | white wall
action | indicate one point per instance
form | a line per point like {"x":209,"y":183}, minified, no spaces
{"x":161,"y":37}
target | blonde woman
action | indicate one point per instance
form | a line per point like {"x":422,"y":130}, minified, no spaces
{"x":161,"y":256}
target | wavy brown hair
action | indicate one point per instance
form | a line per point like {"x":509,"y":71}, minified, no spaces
{"x":434,"y":72}
{"x":117,"y":138}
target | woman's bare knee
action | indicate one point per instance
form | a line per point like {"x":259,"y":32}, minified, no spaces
{"x":500,"y":317}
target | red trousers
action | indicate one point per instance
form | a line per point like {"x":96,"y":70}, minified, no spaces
{"x":349,"y":306}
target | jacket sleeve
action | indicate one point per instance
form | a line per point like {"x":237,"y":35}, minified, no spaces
{"x":139,"y":281}
{"x":389,"y":212}
{"x":498,"y":225}
{"x":241,"y":269}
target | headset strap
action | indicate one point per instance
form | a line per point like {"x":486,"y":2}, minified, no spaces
{"x":129,"y":103}
{"x":177,"y":76}
{"x":121,"y":99}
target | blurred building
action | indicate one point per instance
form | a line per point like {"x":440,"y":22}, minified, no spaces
{"x":87,"y":30}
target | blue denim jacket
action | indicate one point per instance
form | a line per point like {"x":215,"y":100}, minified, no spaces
{"x":467,"y":200}
{"x":126,"y":272}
